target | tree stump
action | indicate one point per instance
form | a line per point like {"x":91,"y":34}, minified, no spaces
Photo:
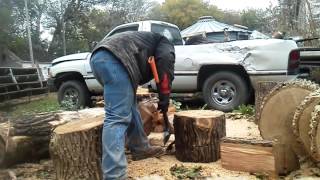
{"x":198,"y":134}
{"x":75,"y":149}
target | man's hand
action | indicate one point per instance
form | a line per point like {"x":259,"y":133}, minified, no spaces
{"x":163,"y":103}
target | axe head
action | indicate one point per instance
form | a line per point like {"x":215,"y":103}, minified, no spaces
{"x":166,"y":136}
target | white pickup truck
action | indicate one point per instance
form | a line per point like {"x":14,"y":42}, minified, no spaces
{"x":225,"y":73}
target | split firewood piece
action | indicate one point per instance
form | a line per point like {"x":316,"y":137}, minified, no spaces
{"x":255,"y":156}
{"x":198,"y":134}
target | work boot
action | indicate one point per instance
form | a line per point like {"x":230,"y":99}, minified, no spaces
{"x":153,"y":151}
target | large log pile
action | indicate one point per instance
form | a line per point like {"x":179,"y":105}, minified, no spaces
{"x":27,"y":138}
{"x":290,"y":114}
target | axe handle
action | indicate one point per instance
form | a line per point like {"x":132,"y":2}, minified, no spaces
{"x":152,"y":63}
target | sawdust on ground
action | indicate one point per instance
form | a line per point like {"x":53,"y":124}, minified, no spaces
{"x":235,"y":127}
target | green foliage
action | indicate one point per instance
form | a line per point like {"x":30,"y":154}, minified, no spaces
{"x":68,"y":105}
{"x":176,"y":104}
{"x":245,"y":110}
{"x":182,"y":172}
{"x":252,"y":18}
{"x":184,"y":13}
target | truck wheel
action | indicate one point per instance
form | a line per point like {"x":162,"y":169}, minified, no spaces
{"x":74,"y":95}
{"x":225,"y":91}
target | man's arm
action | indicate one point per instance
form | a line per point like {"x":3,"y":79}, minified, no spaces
{"x":165,"y":59}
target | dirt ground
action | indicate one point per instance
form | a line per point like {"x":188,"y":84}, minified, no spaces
{"x":159,"y":168}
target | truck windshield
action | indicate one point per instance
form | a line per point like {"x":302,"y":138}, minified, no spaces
{"x":172,"y":33}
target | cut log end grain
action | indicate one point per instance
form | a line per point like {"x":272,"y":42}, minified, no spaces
{"x":277,"y":111}
{"x":302,"y":123}
{"x":80,"y":125}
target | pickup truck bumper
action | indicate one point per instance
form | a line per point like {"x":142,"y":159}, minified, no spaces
{"x":51,"y":86}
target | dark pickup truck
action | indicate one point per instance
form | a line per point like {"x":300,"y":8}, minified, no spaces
{"x":310,"y":63}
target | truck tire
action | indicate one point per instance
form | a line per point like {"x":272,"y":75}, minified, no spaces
{"x":225,"y":91}
{"x":74,"y":94}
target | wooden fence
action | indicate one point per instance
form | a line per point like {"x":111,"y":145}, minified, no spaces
{"x":20,"y":82}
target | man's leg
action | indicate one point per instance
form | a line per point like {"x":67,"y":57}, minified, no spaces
{"x":118,"y":97}
{"x":137,"y":139}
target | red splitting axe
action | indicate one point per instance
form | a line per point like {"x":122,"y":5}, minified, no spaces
{"x":166,"y":132}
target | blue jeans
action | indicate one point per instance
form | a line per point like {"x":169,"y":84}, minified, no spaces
{"x":122,"y":116}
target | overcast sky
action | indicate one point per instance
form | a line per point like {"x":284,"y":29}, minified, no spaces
{"x":240,"y":4}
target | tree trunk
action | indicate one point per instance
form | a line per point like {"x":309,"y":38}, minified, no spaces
{"x":198,"y":134}
{"x":75,"y":149}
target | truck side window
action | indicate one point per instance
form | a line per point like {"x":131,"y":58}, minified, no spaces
{"x":173,"y":34}
{"x":124,"y":29}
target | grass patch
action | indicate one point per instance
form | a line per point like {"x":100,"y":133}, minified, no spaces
{"x":182,"y":172}
{"x":47,"y":104}
{"x":245,"y":110}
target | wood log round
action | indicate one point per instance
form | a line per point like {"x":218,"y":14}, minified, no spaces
{"x":277,"y":111}
{"x":303,"y":120}
{"x":278,"y":107}
{"x":75,"y":149}
{"x":314,"y":134}
{"x":198,"y":134}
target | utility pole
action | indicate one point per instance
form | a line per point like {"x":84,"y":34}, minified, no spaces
{"x":29,"y":32}
{"x":63,"y":29}
{"x":34,"y":63}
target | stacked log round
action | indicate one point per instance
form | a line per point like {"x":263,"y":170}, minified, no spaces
{"x":277,"y":114}
{"x":303,"y":119}
{"x":315,"y":134}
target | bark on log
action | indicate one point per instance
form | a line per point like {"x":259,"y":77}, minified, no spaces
{"x":27,"y":139}
{"x":75,"y":149}
{"x":256,"y":156}
{"x":262,"y":90}
{"x":277,"y":111}
{"x":304,"y":121}
{"x":198,"y":134}
{"x":18,"y":149}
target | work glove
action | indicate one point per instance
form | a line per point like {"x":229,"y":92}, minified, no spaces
{"x":163,"y":103}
